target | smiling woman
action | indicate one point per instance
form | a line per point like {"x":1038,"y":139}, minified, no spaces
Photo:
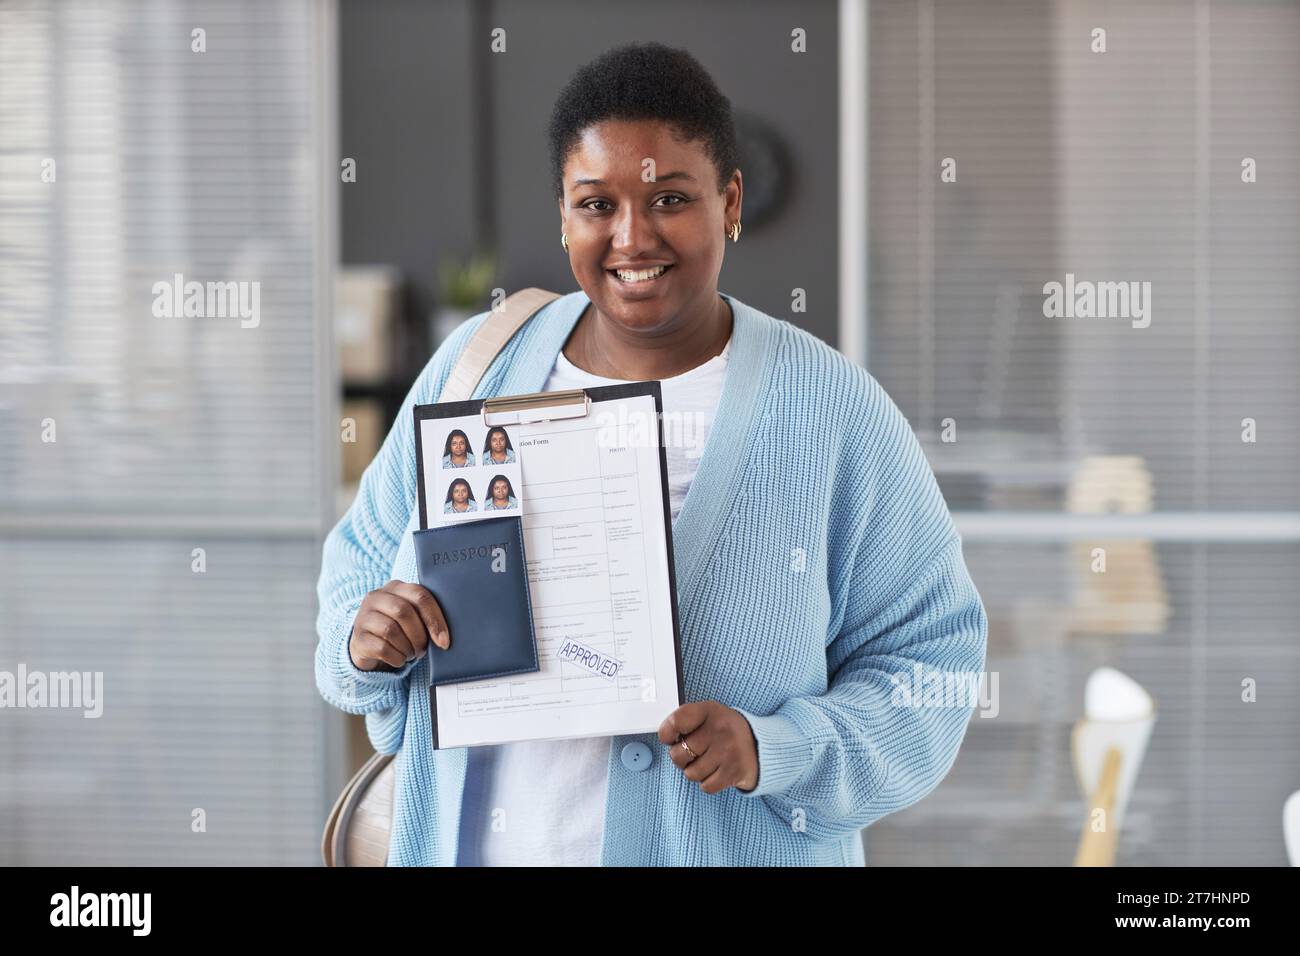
{"x":814,"y":555}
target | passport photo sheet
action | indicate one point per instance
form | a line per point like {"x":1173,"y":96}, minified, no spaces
{"x":592,"y":497}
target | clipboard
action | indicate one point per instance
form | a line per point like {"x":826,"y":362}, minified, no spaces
{"x":579,"y":641}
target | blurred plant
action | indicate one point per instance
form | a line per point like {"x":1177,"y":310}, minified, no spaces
{"x":466,"y":283}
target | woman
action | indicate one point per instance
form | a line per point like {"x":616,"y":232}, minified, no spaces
{"x":459,"y":498}
{"x":501,"y":496}
{"x":497,"y":450}
{"x":794,"y":614}
{"x":456,"y":453}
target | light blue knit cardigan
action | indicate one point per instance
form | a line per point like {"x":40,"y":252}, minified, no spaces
{"x":815,"y":560}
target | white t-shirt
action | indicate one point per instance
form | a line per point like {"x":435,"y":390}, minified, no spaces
{"x":549,"y":795}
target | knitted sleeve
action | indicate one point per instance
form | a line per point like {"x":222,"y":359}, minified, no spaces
{"x":868,"y":746}
{"x":359,"y":552}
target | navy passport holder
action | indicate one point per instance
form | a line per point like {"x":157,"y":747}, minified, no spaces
{"x":476,"y":570}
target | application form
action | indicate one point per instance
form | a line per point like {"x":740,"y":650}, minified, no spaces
{"x":596,"y":546}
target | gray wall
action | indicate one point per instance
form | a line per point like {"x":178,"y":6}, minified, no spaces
{"x":413,"y":76}
{"x":405,"y":119}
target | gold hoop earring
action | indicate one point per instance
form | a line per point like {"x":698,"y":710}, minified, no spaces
{"x":734,"y":231}
{"x":564,"y":240}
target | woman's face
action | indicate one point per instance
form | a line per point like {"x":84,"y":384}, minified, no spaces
{"x":460,"y":493}
{"x":498,"y":442}
{"x":457,"y":446}
{"x":499,"y":490}
{"x":679,"y":220}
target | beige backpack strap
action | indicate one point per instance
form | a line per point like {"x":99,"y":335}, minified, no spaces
{"x":358,"y":829}
{"x":488,"y":340}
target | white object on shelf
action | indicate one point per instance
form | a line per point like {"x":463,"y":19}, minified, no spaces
{"x":1118,"y":714}
{"x":1291,"y":827}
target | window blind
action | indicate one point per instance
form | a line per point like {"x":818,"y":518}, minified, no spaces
{"x":172,"y":433}
{"x":1117,"y":166}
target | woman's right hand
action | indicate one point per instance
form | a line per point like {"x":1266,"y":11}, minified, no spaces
{"x":394,"y":625}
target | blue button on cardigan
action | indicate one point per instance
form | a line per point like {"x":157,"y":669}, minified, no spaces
{"x":816,"y":565}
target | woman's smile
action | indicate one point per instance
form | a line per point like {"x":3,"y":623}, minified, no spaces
{"x":639,"y":283}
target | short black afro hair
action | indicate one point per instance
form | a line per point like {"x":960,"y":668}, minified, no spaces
{"x":644,"y":81}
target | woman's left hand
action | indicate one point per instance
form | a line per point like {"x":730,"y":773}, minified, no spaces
{"x":726,"y":754}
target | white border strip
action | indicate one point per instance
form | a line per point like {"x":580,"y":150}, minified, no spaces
{"x":1225,"y":526}
{"x":854,"y":254}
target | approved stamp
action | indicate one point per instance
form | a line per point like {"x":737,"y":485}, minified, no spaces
{"x":589,"y":659}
